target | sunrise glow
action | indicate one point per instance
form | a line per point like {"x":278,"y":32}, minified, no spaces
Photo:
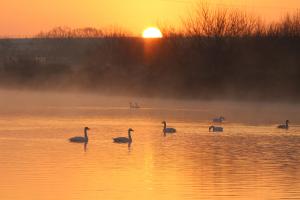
{"x":152,"y":32}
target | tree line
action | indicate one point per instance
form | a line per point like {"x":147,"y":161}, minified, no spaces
{"x":219,"y":53}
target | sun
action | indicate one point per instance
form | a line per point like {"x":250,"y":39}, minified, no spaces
{"x":152,"y":32}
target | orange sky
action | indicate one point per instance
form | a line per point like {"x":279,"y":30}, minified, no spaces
{"x":27,"y":17}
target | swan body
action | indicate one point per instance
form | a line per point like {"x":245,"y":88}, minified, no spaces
{"x":219,"y":119}
{"x":134,"y":105}
{"x":124,"y":139}
{"x":168,"y":129}
{"x":80,"y":139}
{"x":215,"y":129}
{"x":284,"y":126}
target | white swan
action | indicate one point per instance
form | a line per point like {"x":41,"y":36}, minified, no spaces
{"x":168,"y":129}
{"x":137,"y":105}
{"x":124,"y":139}
{"x":134,"y":105}
{"x":219,"y":119}
{"x":81,"y":139}
{"x":215,"y":129}
{"x":284,"y":126}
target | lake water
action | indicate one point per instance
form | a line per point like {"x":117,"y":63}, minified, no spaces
{"x":251,"y":159}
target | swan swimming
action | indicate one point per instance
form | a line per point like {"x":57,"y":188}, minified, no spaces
{"x":284,"y":126}
{"x":80,"y":139}
{"x":215,"y":129}
{"x":134,"y":105}
{"x":168,"y":129}
{"x":124,"y":139}
{"x":137,"y":105}
{"x":219,"y":119}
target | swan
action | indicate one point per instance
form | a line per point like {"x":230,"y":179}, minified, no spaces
{"x":134,"y":105}
{"x":124,"y":139}
{"x":169,"y":129}
{"x":215,"y":129}
{"x":137,"y":105}
{"x":219,"y":119}
{"x":284,"y":126}
{"x":81,"y":139}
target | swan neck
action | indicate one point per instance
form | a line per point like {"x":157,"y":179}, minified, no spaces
{"x":129,"y":136}
{"x":165,"y":125}
{"x":85,"y":133}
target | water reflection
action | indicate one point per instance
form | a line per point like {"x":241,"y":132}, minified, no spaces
{"x":129,"y":146}
{"x":85,"y":146}
{"x":243,"y":162}
{"x":81,"y":144}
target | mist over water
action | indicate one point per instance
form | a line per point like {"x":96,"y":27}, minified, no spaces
{"x":251,"y":159}
{"x":66,"y":103}
{"x":223,"y":62}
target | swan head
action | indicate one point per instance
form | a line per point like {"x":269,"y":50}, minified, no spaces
{"x":86,"y":128}
{"x":163,"y":122}
{"x":130,"y":130}
{"x":287,"y":121}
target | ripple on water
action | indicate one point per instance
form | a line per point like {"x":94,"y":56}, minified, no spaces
{"x":246,"y":161}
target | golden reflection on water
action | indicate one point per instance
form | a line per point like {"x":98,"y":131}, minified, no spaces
{"x":245,"y":162}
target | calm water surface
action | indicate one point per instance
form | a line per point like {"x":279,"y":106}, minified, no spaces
{"x":248,"y":161}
